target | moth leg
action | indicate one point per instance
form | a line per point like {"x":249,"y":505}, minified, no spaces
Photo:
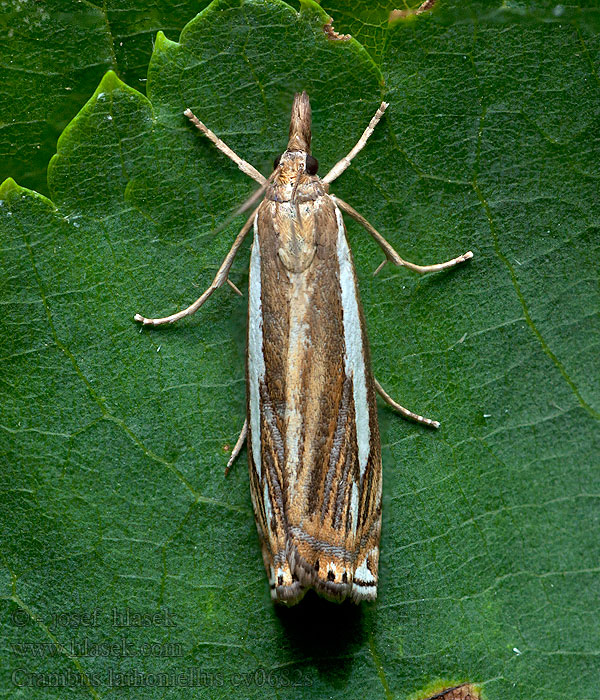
{"x":237,"y":447}
{"x":243,"y":165}
{"x":341,"y":165}
{"x":404,"y":412}
{"x":220,"y":278}
{"x":235,"y":289}
{"x":390,"y":253}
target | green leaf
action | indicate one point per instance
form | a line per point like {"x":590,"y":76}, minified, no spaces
{"x":52,"y":56}
{"x":115,"y":439}
{"x":134,"y":27}
{"x":365,"y":21}
{"x":49,"y":65}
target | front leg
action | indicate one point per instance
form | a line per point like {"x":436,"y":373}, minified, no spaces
{"x":390,"y":253}
{"x":220,"y":278}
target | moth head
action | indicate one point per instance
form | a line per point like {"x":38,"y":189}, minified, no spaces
{"x":297,"y":161}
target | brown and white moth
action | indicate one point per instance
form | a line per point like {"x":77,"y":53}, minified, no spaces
{"x":313,"y":440}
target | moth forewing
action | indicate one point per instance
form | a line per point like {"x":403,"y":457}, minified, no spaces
{"x":315,"y":464}
{"x":314,"y":455}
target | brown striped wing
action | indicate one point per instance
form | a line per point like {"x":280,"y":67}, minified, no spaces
{"x":313,"y":441}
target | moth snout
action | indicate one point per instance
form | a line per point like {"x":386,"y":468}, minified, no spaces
{"x":300,"y":123}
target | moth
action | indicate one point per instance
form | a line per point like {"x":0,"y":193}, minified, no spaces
{"x":314,"y":454}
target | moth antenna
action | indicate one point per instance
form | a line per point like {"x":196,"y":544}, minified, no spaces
{"x":242,"y":164}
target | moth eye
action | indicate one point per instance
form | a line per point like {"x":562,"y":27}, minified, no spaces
{"x":276,"y":162}
{"x":312,"y":165}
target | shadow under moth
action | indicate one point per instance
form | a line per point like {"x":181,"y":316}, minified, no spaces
{"x":314,"y":453}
